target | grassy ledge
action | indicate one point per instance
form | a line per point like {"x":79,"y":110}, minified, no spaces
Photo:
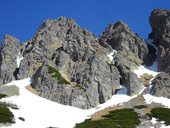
{"x":122,"y":118}
{"x":55,"y":73}
{"x":140,"y":106}
{"x":6,"y":115}
{"x":2,"y":96}
{"x":162,"y":114}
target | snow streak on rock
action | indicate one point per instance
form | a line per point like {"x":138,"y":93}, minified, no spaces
{"x":146,"y":70}
{"x":110,"y":55}
{"x":19,"y":58}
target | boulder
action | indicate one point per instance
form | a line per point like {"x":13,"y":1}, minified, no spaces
{"x":9,"y":90}
{"x":161,"y":85}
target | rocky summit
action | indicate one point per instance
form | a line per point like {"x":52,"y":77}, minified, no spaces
{"x":69,"y":65}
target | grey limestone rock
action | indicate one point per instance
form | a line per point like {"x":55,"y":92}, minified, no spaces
{"x":160,"y":23}
{"x":81,"y":60}
{"x":161,"y":85}
{"x":9,"y":90}
{"x":68,"y":65}
{"x":121,"y":38}
{"x":8,"y":59}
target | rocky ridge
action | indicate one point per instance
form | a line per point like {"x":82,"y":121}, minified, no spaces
{"x":69,"y":65}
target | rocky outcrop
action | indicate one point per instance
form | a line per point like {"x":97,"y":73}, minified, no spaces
{"x":86,"y":88}
{"x":160,"y":23}
{"x":70,"y":66}
{"x":81,"y":61}
{"x":63,"y":35}
{"x":9,"y":90}
{"x":161,"y":85}
{"x":8,"y":59}
{"x":119,"y":37}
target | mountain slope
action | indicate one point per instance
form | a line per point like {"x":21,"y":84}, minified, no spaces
{"x":66,"y":64}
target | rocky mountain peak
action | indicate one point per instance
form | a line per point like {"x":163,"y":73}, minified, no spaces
{"x":10,"y":41}
{"x":160,"y":23}
{"x":69,"y":65}
{"x":8,"y":55}
{"x":121,"y":38}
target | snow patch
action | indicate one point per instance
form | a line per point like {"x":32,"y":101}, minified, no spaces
{"x":154,"y":121}
{"x":162,"y":100}
{"x":42,"y":113}
{"x":152,"y":70}
{"x":19,"y":58}
{"x":110,"y":55}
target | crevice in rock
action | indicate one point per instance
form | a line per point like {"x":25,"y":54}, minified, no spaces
{"x":151,"y":57}
{"x":101,"y":98}
{"x":15,"y":73}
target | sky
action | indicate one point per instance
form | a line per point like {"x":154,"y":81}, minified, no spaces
{"x":21,"y":18}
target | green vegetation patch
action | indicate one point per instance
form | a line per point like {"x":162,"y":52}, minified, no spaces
{"x":6,"y":115}
{"x":55,"y":73}
{"x":140,"y":106}
{"x":122,"y":118}
{"x":2,"y":96}
{"x":162,"y":114}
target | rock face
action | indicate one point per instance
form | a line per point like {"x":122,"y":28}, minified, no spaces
{"x":8,"y":59}
{"x":80,"y":60}
{"x":86,"y":75}
{"x":161,"y":85}
{"x":160,"y":23}
{"x":69,"y":65}
{"x":127,"y":43}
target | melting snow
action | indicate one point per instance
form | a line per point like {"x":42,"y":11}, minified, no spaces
{"x":42,"y":113}
{"x":110,"y":55}
{"x":19,"y":58}
{"x":149,"y":70}
{"x":162,"y":100}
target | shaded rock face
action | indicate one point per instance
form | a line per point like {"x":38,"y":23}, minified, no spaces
{"x":121,"y":38}
{"x":160,"y":23}
{"x":128,"y":78}
{"x":8,"y":56}
{"x":161,"y":85}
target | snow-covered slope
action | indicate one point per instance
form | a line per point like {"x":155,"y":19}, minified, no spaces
{"x":42,"y":113}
